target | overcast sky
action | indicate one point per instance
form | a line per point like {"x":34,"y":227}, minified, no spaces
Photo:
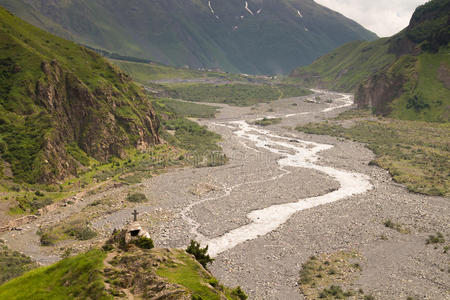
{"x":384,"y":17}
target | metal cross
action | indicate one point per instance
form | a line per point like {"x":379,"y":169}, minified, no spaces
{"x":135,"y":214}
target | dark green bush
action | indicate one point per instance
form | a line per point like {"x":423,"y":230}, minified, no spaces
{"x":436,"y":239}
{"x":239,"y":293}
{"x":213,"y":282}
{"x":47,"y":239}
{"x":334,"y":291}
{"x":200,"y":254}
{"x":417,"y":102}
{"x":144,"y":243}
{"x":81,"y":232}
{"x":137,"y":198}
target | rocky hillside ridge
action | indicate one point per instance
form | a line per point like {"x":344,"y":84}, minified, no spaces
{"x":126,"y":266}
{"x":254,"y":36}
{"x":63,"y":106}
{"x":404,"y":76}
{"x":421,"y":45}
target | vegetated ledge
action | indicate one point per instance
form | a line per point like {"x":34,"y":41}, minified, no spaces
{"x":414,"y":152}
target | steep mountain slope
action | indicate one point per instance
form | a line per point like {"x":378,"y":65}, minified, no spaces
{"x":255,"y":36}
{"x":405,"y":76}
{"x":62,"y":104}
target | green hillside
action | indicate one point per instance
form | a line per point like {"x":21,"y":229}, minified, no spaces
{"x":405,"y":76}
{"x":62,"y":105}
{"x":124,"y":271}
{"x":346,"y":67}
{"x":270,"y":38}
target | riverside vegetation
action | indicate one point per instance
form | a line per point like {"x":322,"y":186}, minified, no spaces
{"x":414,"y":152}
{"x":237,"y":94}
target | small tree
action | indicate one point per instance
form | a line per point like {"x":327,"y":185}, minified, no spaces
{"x":200,"y":254}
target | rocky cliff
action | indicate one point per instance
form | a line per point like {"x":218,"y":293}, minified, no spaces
{"x":63,"y":106}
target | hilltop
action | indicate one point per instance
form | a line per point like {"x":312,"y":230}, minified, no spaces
{"x":255,"y":36}
{"x":405,"y":76}
{"x":125,"y":267}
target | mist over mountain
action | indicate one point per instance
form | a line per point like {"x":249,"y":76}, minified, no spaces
{"x":256,"y":36}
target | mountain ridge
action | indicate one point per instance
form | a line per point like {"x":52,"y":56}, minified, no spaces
{"x":266,"y":37}
{"x":404,"y":76}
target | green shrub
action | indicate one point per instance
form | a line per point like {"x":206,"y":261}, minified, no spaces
{"x":39,"y":194}
{"x":144,"y":243}
{"x":137,"y":198}
{"x":13,"y":264}
{"x":436,"y":239}
{"x":239,"y":293}
{"x":334,"y":291}
{"x":200,"y":254}
{"x":47,"y":239}
{"x":213,"y":282}
{"x":417,"y":102}
{"x":268,"y":121}
{"x":39,"y":203}
{"x":81,"y":232}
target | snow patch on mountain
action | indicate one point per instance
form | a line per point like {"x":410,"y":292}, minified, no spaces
{"x":248,"y":9}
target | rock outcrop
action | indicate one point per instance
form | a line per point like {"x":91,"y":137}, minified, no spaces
{"x":63,"y":105}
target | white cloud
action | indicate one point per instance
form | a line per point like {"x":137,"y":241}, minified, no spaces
{"x":384,"y":17}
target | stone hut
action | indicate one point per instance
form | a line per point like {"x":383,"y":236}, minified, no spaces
{"x":135,"y":231}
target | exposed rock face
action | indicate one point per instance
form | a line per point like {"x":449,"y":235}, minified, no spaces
{"x":427,"y":31}
{"x":378,"y":92}
{"x":90,"y":120}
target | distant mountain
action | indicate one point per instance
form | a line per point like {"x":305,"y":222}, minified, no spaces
{"x":405,"y":76}
{"x":254,"y":36}
{"x":63,"y":106}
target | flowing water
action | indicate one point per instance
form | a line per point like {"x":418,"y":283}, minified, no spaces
{"x":297,"y":154}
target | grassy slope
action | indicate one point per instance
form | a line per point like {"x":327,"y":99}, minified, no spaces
{"x":83,"y":276}
{"x":428,"y":87}
{"x":364,"y":63}
{"x":192,"y":276}
{"x":72,"y":278}
{"x":235,"y":94}
{"x":346,"y":67}
{"x":415,"y":153}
